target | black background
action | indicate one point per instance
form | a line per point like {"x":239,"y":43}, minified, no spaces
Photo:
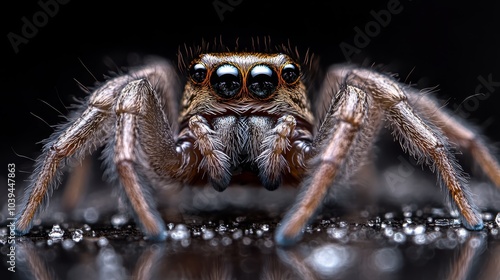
{"x":448,"y":45}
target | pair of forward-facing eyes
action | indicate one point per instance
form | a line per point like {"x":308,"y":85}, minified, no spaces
{"x":227,"y":80}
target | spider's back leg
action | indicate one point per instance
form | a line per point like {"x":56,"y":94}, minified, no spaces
{"x":421,"y":138}
{"x":459,"y":133}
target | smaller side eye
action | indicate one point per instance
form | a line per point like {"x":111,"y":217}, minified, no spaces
{"x":198,"y":72}
{"x":262,"y":81}
{"x":290,"y":73}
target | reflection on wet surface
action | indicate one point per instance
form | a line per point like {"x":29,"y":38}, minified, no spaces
{"x":409,"y":245}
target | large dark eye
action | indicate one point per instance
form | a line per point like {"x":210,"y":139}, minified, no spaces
{"x":262,"y":81}
{"x":226,"y":80}
{"x":198,"y":72}
{"x":290,"y":73}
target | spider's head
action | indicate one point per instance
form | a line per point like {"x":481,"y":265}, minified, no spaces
{"x":245,"y":83}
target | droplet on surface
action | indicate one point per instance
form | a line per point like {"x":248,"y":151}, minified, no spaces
{"x":237,"y":234}
{"x":77,"y":235}
{"x":68,"y":244}
{"x":208,"y":234}
{"x":336,"y":233}
{"x":497,"y":219}
{"x":399,"y":237}
{"x":179,"y":232}
{"x":264,"y":227}
{"x":91,"y":215}
{"x":119,"y":220}
{"x":329,"y":259}
{"x":56,"y":232}
{"x":221,"y":228}
{"x":102,"y":241}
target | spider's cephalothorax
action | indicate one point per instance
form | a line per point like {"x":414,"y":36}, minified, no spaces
{"x":247,"y":117}
{"x":247,"y":114}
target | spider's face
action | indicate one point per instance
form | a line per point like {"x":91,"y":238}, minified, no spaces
{"x":245,"y":84}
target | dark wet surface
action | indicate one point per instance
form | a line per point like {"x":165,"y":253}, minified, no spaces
{"x":413,"y":243}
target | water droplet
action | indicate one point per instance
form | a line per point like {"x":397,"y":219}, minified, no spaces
{"x":56,"y":232}
{"x":462,"y":234}
{"x":68,"y":244}
{"x":185,"y":242}
{"x":119,"y":220}
{"x":196,"y":232}
{"x":420,"y":239}
{"x":179,"y":232}
{"x":237,"y":234}
{"x":86,"y":227}
{"x":264,"y":227}
{"x":487,"y":216}
{"x":247,"y":240}
{"x":77,"y":235}
{"x":208,"y":234}
{"x":419,"y":229}
{"x":170,"y":226}
{"x":399,"y":237}
{"x":475,"y":242}
{"x":388,"y":231}
{"x":497,"y":219}
{"x":221,"y":229}
{"x":343,"y":224}
{"x":329,"y":259}
{"x":102,"y":241}
{"x":337,"y":233}
{"x":389,"y":215}
{"x":226,"y":241}
{"x":322,"y":222}
{"x":409,"y":229}
{"x":91,"y":215}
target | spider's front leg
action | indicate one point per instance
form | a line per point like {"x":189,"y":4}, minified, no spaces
{"x":340,"y":145}
{"x":144,"y":151}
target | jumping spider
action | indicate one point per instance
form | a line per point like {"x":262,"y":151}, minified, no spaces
{"x":249,"y":116}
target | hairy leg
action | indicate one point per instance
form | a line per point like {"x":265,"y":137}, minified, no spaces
{"x":459,"y":133}
{"x":341,"y":144}
{"x":91,"y":127}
